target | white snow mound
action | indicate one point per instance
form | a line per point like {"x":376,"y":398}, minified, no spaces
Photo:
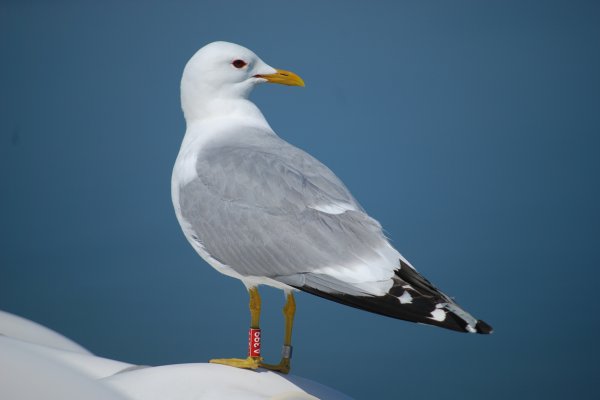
{"x":38,"y":363}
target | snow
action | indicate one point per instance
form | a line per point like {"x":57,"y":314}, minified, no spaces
{"x":26,"y":330}
{"x":86,"y":364}
{"x":26,"y":374}
{"x":36,"y":362}
{"x":212,"y":381}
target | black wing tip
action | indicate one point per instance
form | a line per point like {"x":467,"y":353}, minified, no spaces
{"x":418,"y":311}
{"x":483,"y":328}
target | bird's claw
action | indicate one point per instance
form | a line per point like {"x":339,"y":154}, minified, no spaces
{"x":283,"y":366}
{"x":247,"y":363}
{"x":254,"y":363}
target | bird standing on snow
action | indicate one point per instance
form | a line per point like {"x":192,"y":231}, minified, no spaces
{"x":263,"y":211}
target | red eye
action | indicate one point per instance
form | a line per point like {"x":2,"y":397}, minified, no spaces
{"x":239,"y":63}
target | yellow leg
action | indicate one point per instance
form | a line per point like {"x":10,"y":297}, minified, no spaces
{"x":249,"y":362}
{"x":254,"y":308}
{"x":289,"y":310}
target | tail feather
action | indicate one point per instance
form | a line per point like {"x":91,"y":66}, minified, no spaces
{"x":411,"y":298}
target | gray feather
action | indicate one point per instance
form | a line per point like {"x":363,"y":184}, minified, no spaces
{"x":254,"y":207}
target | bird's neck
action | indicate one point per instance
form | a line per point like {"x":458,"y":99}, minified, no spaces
{"x":240,"y":109}
{"x":219,"y":117}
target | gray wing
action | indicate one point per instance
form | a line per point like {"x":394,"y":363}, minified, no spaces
{"x":267,"y":208}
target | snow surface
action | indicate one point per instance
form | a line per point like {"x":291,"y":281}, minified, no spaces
{"x":38,"y":363}
{"x":29,"y":331}
{"x":87,"y":364}
{"x":26,"y":374}
{"x":212,"y":382}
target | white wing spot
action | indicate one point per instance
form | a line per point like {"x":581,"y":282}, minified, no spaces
{"x":438,"y":314}
{"x":333,"y":208}
{"x":406,"y":298}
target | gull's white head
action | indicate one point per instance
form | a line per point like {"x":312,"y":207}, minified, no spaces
{"x":221,"y":73}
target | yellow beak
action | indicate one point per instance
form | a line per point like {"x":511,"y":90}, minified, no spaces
{"x":283,"y":78}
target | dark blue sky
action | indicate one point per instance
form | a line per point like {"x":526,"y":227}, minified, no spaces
{"x":484,"y":115}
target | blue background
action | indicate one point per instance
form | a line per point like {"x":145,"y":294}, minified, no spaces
{"x":469,"y":129}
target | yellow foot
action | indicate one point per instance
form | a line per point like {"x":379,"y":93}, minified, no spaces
{"x":248,"y":363}
{"x":283,"y":366}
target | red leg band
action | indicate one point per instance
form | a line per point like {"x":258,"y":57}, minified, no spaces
{"x":254,"y":342}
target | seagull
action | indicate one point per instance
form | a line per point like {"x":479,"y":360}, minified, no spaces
{"x":258,"y":209}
